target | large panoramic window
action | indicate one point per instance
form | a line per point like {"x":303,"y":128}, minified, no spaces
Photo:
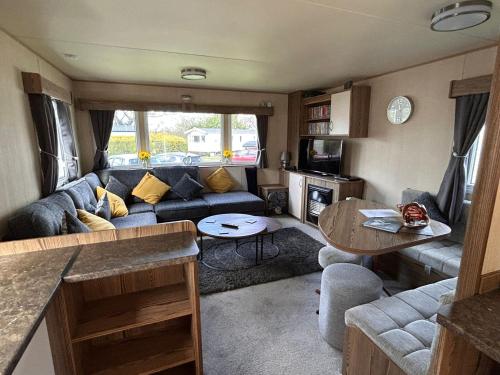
{"x":244,"y":139}
{"x":184,"y":138}
{"x":122,"y":150}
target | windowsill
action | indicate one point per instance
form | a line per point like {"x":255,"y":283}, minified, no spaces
{"x":182,"y":165}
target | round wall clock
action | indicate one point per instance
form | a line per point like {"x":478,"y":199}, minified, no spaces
{"x":399,"y":110}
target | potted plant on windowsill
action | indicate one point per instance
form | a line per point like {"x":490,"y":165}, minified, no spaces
{"x":226,"y":156}
{"x":144,"y":157}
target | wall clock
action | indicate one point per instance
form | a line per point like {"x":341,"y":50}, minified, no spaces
{"x":399,"y":110}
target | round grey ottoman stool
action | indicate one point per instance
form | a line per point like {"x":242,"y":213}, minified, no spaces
{"x":330,"y":255}
{"x":344,"y":286}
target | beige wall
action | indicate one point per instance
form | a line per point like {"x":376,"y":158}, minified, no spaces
{"x":492,"y":256}
{"x":115,"y":91}
{"x":415,"y":154}
{"x":19,"y":158}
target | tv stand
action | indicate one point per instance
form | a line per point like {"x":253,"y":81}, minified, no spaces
{"x":298,"y":185}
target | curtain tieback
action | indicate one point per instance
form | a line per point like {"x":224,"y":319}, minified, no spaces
{"x":48,"y":153}
{"x":103,"y":151}
{"x":456,"y":155}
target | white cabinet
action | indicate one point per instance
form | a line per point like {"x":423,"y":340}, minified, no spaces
{"x":295,"y":195}
{"x":340,"y":117}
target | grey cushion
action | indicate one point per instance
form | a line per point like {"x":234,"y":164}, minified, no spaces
{"x":71,"y":224}
{"x":403,"y":326}
{"x":93,"y":180}
{"x":134,"y":220}
{"x":179,"y":210}
{"x":42,"y":218}
{"x":117,"y":187}
{"x":82,"y":195}
{"x":432,"y":209}
{"x":103,"y":208}
{"x":172,"y":175}
{"x":137,"y":208}
{"x":187,"y":188}
{"x":344,"y":286}
{"x":233,"y":202}
{"x":128,"y":177}
{"x":330,"y":255}
{"x":442,"y":255}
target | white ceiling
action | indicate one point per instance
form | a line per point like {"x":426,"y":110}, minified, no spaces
{"x":265,"y":45}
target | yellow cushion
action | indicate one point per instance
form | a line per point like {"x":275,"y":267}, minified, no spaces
{"x":150,"y":189}
{"x":94,"y":222}
{"x":220,"y":181}
{"x":118,"y":206}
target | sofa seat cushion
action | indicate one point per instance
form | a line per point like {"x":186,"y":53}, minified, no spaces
{"x":403,"y":326}
{"x":82,"y":195}
{"x":233,"y":202}
{"x":179,"y":209}
{"x":137,"y":208}
{"x":42,"y":218}
{"x":134,"y":220}
{"x":443,"y":255}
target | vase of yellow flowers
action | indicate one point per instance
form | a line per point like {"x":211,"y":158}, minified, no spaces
{"x":226,"y":156}
{"x":144,"y":157}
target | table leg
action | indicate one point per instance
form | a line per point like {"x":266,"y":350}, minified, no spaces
{"x":201,"y":246}
{"x":256,"y":250}
{"x":262,"y":247}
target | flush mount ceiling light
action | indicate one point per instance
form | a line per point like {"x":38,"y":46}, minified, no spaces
{"x":70,"y":56}
{"x":193,"y":74}
{"x":462,"y":15}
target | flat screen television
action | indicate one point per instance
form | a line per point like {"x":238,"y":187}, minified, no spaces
{"x":322,"y":156}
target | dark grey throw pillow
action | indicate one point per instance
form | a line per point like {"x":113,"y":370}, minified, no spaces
{"x":119,"y":188}
{"x":104,"y":208}
{"x":187,"y":188}
{"x":432,"y":208}
{"x":71,"y":224}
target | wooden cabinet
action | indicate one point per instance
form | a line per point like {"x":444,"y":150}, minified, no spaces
{"x":341,"y":115}
{"x":295,"y":194}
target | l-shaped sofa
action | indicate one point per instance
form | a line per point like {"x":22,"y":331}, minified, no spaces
{"x":44,"y":217}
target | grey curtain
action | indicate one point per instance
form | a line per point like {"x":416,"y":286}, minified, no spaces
{"x":470,"y":114}
{"x":102,"y":124}
{"x":262,"y":122}
{"x":68,"y":140}
{"x":46,"y":131}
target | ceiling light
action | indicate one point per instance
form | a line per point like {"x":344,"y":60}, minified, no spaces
{"x":70,"y":56}
{"x":193,"y":74}
{"x":462,"y":15}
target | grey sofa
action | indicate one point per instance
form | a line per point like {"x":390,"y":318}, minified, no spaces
{"x":444,"y":255}
{"x":44,"y":217}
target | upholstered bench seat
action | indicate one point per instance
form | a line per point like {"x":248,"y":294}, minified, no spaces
{"x":403,"y":326}
{"x":443,"y":256}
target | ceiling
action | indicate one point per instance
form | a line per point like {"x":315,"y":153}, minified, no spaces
{"x":262,"y":45}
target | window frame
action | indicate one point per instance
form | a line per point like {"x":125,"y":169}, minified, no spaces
{"x":62,"y":178}
{"x":143,"y":143}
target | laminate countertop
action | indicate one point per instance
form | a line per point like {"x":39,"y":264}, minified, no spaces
{"x":477,"y":319}
{"x":27,"y":283}
{"x":112,"y":258}
{"x":29,"y":280}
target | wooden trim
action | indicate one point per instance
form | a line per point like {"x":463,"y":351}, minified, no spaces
{"x":484,"y":196}
{"x":88,"y":104}
{"x":476,"y":85}
{"x":318,"y":99}
{"x":363,"y":357}
{"x":34,"y":83}
{"x":489,"y":282}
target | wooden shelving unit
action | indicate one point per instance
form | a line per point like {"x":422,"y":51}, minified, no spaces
{"x":144,"y":318}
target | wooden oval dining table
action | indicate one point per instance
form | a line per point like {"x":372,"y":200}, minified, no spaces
{"x":342,"y":226}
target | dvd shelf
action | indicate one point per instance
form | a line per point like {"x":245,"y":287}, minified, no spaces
{"x":319,"y":112}
{"x":319,"y":128}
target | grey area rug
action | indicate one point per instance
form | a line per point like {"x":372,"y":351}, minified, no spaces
{"x":298,"y":255}
{"x":267,"y":329}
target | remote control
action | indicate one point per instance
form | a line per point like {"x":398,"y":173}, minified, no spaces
{"x":227,"y":225}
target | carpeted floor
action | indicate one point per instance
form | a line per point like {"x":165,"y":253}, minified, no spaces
{"x":267,"y":329}
{"x":298,"y":255}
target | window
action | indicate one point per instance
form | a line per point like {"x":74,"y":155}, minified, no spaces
{"x":472,"y":162}
{"x":184,"y":138}
{"x":244,"y":139}
{"x":122,"y":149}
{"x":62,"y":169}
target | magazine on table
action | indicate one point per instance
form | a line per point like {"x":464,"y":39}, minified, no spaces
{"x":386,"y":224}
